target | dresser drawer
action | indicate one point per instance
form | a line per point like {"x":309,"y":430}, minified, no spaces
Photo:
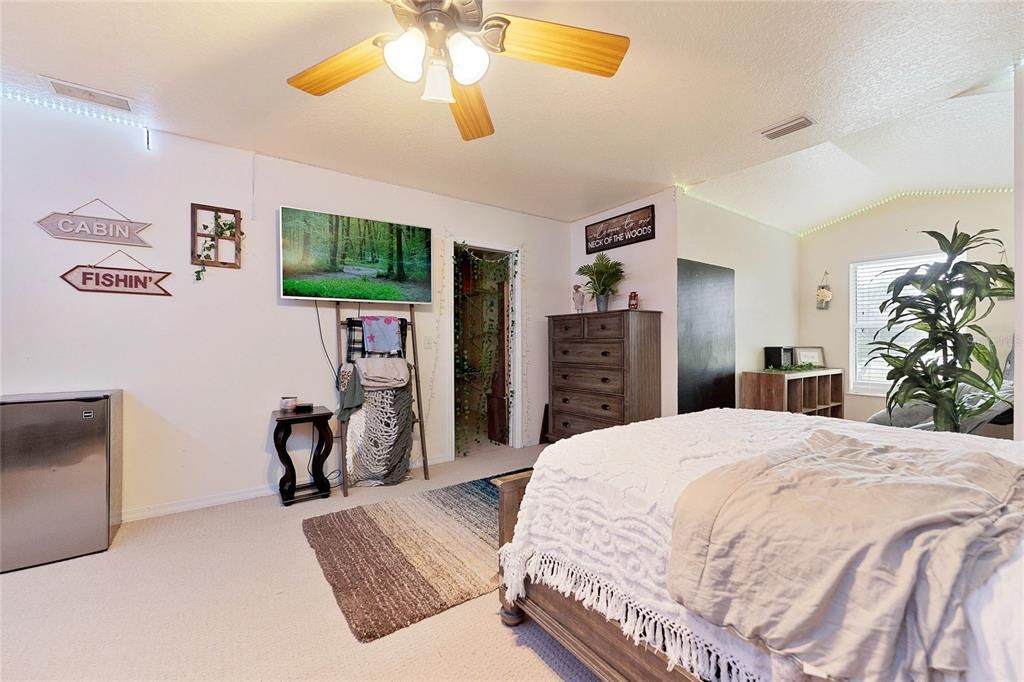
{"x":564,"y":424}
{"x":592,"y":404}
{"x":588,"y":352}
{"x":608,"y":380}
{"x":567,"y":327}
{"x":608,"y":326}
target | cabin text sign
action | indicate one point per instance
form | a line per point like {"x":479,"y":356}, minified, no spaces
{"x":93,"y":229}
{"x":622,"y":230}
{"x":116,"y":280}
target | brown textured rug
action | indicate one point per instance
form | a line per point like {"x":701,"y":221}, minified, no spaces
{"x":394,"y":563}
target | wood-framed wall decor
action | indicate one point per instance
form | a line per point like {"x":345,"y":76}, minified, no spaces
{"x":216,"y":237}
{"x":622,"y":230}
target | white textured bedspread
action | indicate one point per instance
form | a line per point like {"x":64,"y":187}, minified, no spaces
{"x":596,"y":523}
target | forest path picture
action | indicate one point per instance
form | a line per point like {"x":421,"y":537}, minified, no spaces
{"x":339,"y":257}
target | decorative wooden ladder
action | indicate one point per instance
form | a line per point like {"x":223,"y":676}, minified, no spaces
{"x":350,"y":340}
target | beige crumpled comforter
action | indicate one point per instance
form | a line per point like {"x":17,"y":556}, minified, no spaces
{"x":853,"y":558}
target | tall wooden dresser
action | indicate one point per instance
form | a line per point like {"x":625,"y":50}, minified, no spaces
{"x":605,"y":369}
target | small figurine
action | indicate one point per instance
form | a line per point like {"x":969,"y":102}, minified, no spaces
{"x":578,"y":297}
{"x":634,"y":301}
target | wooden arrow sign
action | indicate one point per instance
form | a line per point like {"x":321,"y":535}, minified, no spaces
{"x":92,"y":229}
{"x":116,"y":280}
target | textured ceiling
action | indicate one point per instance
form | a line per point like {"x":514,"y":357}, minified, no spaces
{"x":698,"y":83}
{"x":965,"y":142}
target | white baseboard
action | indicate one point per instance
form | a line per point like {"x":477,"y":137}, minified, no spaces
{"x":194,"y":503}
{"x":165,"y":508}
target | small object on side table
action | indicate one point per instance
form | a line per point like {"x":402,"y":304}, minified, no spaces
{"x":320,"y":486}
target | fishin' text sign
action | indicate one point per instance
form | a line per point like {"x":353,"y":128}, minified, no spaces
{"x":116,"y":280}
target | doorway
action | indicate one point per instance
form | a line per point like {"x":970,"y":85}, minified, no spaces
{"x":484,"y":349}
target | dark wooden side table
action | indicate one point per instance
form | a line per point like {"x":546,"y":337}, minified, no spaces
{"x":320,"y":486}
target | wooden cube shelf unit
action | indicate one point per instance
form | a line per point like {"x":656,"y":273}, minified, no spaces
{"x":818,"y":391}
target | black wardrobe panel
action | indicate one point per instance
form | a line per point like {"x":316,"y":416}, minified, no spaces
{"x":707,"y":336}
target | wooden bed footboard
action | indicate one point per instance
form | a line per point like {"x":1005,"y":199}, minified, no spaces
{"x":598,"y":643}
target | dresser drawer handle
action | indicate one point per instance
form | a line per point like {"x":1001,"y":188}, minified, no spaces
{"x":606,"y":407}
{"x":565,"y":376}
{"x":603,"y":327}
{"x":565,"y":329}
{"x":605,"y":380}
{"x":565,"y":401}
{"x":605,"y":353}
{"x":565,"y":424}
{"x":565,"y":352}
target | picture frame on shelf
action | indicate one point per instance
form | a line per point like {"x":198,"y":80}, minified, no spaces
{"x":814,"y":355}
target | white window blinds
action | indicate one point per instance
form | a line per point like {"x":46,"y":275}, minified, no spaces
{"x":868,"y":282}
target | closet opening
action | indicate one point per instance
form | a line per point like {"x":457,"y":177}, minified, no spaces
{"x":485,"y":348}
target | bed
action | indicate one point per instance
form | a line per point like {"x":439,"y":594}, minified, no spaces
{"x":587,"y":557}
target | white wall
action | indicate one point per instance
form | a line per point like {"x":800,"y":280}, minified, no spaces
{"x":1018,"y":189}
{"x":650,"y":270}
{"x":765,"y":261}
{"x":203,"y":369}
{"x":893,"y":229}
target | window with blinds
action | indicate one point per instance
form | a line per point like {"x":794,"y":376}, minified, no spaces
{"x":868,"y":283}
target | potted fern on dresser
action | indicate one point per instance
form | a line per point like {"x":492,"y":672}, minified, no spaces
{"x":603,"y":278}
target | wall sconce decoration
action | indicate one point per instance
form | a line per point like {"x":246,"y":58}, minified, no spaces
{"x":824,"y":293}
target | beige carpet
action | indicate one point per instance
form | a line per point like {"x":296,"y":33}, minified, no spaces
{"x":235,"y":592}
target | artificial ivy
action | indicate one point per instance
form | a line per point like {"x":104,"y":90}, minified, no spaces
{"x":476,"y":346}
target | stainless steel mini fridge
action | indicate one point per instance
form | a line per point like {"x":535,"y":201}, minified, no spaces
{"x":60,"y":475}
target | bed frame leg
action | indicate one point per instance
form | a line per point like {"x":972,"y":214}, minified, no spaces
{"x":511,"y":616}
{"x":510,"y":495}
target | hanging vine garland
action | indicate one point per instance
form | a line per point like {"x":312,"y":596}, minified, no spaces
{"x":479,"y":284}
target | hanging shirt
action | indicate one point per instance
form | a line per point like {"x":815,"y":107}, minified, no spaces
{"x":382,"y":334}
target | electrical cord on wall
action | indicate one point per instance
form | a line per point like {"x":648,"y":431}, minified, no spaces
{"x":323,"y":344}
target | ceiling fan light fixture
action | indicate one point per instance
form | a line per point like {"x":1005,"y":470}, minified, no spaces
{"x":404,"y":55}
{"x":438,"y":87}
{"x":469,"y":59}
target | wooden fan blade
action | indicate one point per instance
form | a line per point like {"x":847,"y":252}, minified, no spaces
{"x":568,"y":47}
{"x":470,"y":112}
{"x":342,"y":68}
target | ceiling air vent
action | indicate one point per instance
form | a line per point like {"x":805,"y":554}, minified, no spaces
{"x":90,"y":95}
{"x":786,"y":127}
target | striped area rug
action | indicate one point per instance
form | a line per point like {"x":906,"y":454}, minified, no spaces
{"x":394,"y":563}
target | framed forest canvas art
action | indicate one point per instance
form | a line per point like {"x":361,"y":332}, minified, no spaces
{"x":344,"y":258}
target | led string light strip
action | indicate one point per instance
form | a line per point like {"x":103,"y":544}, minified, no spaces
{"x":81,"y":110}
{"x":688,"y":191}
{"x":901,"y":195}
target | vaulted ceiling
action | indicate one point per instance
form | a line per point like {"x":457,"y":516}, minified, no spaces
{"x":699,"y":82}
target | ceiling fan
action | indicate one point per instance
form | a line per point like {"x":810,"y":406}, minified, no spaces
{"x":451,"y":42}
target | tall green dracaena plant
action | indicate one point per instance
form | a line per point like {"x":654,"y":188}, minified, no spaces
{"x":603,"y":275}
{"x":945,"y":300}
